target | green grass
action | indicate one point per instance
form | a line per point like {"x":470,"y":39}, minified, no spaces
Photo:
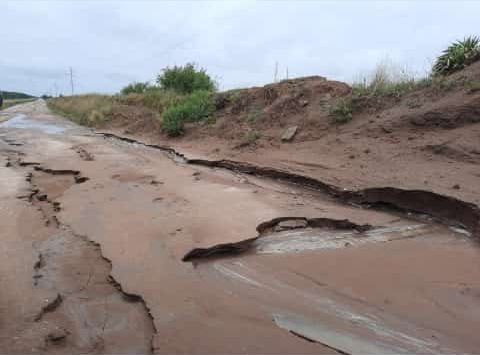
{"x":87,"y":110}
{"x":387,"y":80}
{"x":10,"y":103}
{"x":153,"y":98}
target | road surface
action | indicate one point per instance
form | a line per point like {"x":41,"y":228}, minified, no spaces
{"x":94,"y":230}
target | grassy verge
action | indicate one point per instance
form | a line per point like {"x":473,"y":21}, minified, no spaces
{"x":10,"y":103}
{"x":87,"y":110}
{"x":174,"y":109}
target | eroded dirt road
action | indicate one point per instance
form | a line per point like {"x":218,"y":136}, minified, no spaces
{"x":94,"y":230}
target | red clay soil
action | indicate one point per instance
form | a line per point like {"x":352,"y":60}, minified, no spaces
{"x":95,"y":265}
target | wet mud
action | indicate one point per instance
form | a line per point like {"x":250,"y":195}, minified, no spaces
{"x":268,"y":227}
{"x":86,"y":302}
{"x":345,"y":271}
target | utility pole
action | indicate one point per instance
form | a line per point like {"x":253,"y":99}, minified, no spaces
{"x":71,"y":79}
{"x":287,"y":73}
{"x":276,"y":73}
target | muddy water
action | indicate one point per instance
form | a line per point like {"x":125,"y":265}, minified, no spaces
{"x":21,"y":121}
{"x":406,"y":285}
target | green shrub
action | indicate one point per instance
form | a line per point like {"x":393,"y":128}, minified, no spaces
{"x":185,"y":79}
{"x":198,"y":105}
{"x":252,"y":137}
{"x":195,"y":107}
{"x":457,"y":56}
{"x":135,"y":88}
{"x":342,"y":112}
{"x":173,"y":119}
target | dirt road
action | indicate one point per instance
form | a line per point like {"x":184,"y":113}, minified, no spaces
{"x":94,"y":230}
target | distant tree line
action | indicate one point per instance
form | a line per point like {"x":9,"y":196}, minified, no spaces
{"x":11,"y":95}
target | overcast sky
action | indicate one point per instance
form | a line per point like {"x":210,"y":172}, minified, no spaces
{"x":109,"y":44}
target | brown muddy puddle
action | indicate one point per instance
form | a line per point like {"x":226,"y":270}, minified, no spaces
{"x":369,"y":294}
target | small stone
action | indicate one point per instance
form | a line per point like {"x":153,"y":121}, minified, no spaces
{"x":456,"y":187}
{"x":196,"y":173}
{"x":289,"y":133}
{"x":366,"y":151}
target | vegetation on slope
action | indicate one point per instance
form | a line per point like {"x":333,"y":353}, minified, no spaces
{"x":186,"y":94}
{"x":10,"y":103}
{"x":457,"y":56}
{"x":87,"y":110}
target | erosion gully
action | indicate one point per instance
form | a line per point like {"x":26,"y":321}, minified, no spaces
{"x":111,"y":245}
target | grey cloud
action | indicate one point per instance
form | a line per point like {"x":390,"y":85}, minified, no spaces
{"x":112,"y":43}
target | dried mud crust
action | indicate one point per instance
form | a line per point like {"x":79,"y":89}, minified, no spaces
{"x":73,"y":268}
{"x":276,"y":224}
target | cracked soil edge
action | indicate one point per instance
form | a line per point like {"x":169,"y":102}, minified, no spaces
{"x":34,"y":193}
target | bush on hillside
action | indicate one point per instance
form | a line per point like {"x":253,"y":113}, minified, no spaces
{"x":135,"y":88}
{"x":185,"y":79}
{"x":342,"y":111}
{"x":457,"y":56}
{"x":195,"y":107}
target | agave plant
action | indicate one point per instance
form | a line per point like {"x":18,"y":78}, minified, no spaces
{"x":458,"y":55}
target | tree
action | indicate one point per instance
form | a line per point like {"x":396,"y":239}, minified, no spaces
{"x":185,"y":79}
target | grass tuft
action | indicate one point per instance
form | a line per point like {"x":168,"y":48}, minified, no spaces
{"x":342,"y":112}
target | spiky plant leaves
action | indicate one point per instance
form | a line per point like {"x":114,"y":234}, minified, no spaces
{"x":458,"y":55}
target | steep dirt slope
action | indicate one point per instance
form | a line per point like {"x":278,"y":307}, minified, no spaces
{"x":428,"y":139}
